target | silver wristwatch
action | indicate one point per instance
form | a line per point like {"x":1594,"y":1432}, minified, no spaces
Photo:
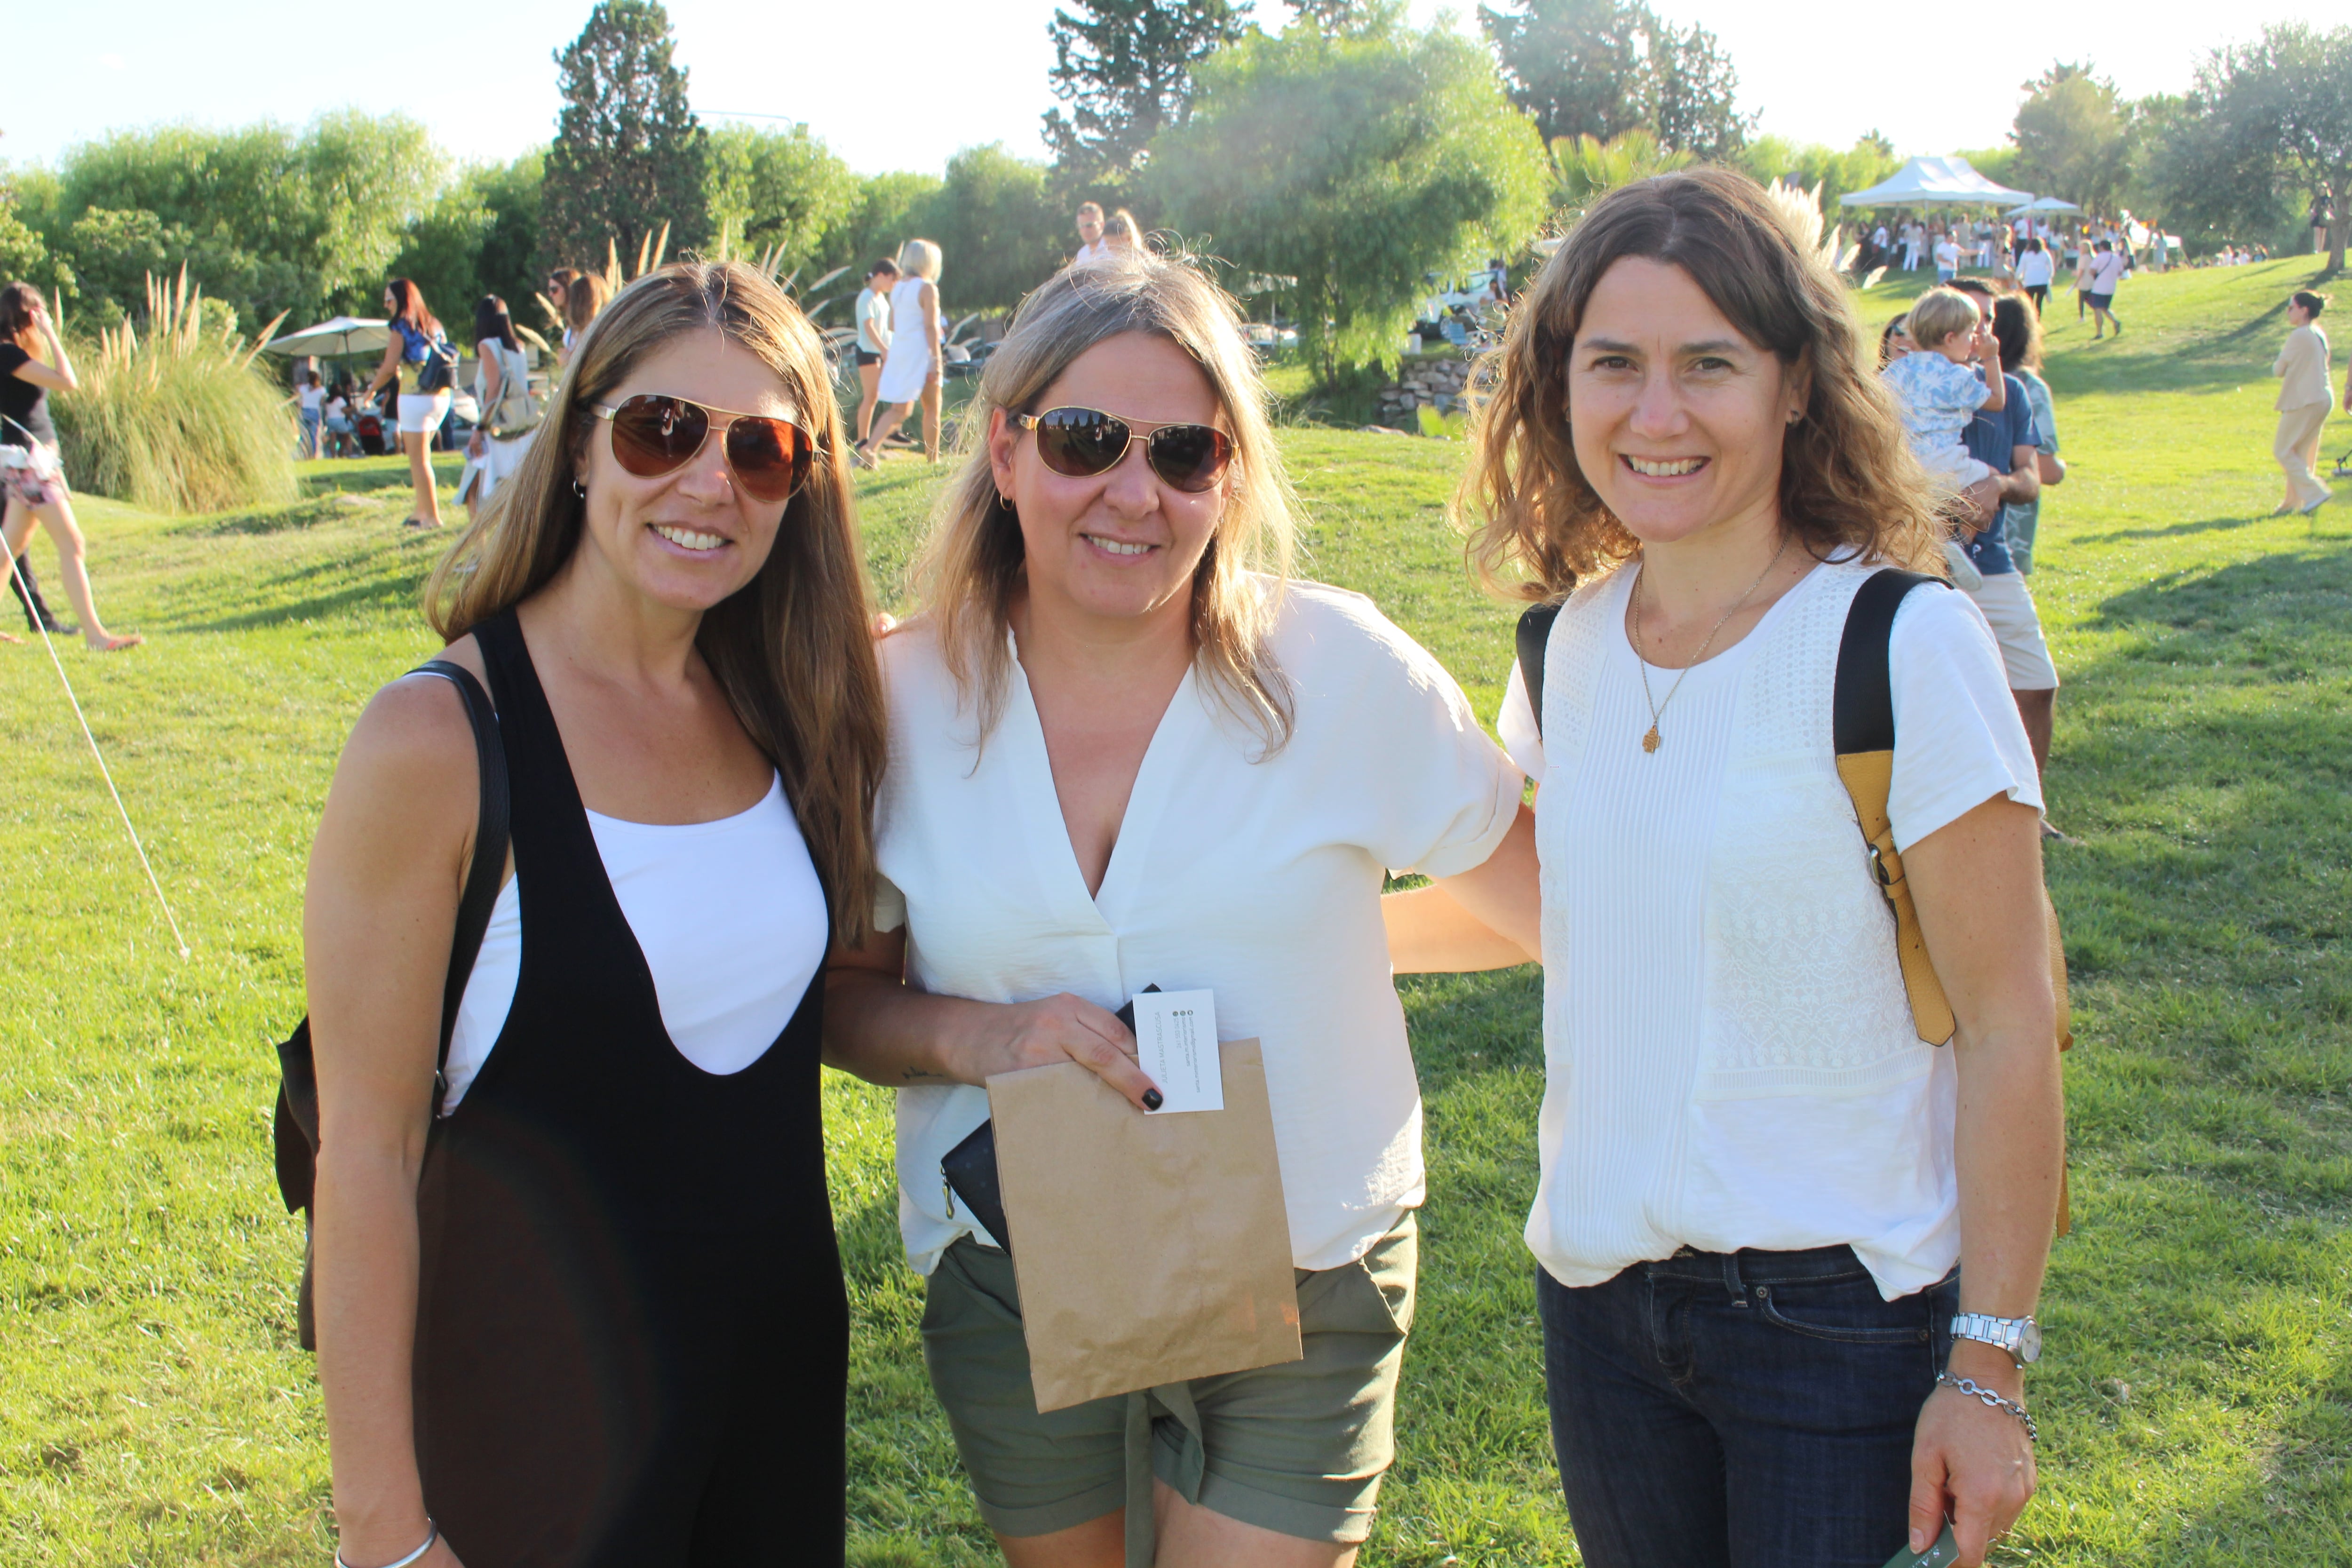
{"x":2021,"y":1337}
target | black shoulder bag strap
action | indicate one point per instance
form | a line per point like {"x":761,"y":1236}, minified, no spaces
{"x":295,"y":1130}
{"x":1535,"y":637}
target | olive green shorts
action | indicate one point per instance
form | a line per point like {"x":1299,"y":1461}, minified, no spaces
{"x":1297,"y":1449}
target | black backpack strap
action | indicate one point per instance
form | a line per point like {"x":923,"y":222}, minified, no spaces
{"x":1535,"y":637}
{"x":1862,"y":709}
{"x":489,"y":855}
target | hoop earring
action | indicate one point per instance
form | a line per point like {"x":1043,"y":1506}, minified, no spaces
{"x":578,"y":488}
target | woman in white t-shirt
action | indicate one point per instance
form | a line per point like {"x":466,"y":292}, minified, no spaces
{"x":1763,"y":1198}
{"x":1126,"y":752}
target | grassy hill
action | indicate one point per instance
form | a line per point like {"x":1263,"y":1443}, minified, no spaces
{"x":2197,"y":1402}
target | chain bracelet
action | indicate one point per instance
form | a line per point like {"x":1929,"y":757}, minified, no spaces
{"x":1970,"y":1386}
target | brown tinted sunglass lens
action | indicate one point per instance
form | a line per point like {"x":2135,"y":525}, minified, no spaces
{"x":655,"y":436}
{"x":770,"y":456}
{"x":1080,"y":442}
{"x":1189,"y":456}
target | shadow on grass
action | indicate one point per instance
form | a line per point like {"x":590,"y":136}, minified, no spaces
{"x":2309,"y":586}
{"x":376,"y":591}
{"x":2302,"y":1482}
{"x":323,"y":506}
{"x":2174,"y":530}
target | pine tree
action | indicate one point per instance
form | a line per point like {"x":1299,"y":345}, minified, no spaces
{"x":1125,"y":67}
{"x":629,"y":154}
{"x":1601,"y":68}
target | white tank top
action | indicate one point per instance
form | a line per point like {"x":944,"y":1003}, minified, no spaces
{"x":729,"y":916}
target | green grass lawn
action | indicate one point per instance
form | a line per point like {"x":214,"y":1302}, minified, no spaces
{"x":2196,"y":1401}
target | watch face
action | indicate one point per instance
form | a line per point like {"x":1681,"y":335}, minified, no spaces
{"x":2029,"y":1343}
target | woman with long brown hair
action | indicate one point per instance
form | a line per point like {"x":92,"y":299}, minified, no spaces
{"x":1790,"y":1249}
{"x":416,"y":345}
{"x":579,"y":1300}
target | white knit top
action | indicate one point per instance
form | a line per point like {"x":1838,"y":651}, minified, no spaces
{"x":1730,"y":1057}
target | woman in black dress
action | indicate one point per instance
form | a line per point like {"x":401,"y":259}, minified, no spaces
{"x":595,"y":1315}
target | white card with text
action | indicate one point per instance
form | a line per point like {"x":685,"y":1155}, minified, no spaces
{"x":1176,"y":1035}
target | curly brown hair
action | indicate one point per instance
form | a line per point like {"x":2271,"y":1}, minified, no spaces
{"x":1848,"y":480}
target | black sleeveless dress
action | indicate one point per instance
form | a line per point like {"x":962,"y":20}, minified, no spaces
{"x":632,"y":1337}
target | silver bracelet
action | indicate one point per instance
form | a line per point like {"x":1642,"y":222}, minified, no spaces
{"x":432,"y":1534}
{"x":1966,"y":1385}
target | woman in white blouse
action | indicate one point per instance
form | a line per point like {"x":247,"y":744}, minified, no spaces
{"x":1127,"y":752}
{"x":1763,"y":1198}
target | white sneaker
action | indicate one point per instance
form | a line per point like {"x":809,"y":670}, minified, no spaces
{"x":1965,"y":576}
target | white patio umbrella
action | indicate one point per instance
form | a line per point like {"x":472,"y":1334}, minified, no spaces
{"x":2043,"y":204}
{"x":344,"y":335}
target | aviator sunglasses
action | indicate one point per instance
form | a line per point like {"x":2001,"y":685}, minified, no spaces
{"x":654,"y":435}
{"x":1083,"y":442}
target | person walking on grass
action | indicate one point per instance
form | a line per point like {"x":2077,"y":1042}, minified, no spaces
{"x":2034,"y":272}
{"x":873,"y":316}
{"x":509,"y":415}
{"x":1788,"y":1251}
{"x":1128,"y":749}
{"x":2100,"y":281}
{"x":911,"y":360}
{"x":310,"y":402}
{"x":417,"y":348}
{"x":33,"y":364}
{"x":579,"y":1303}
{"x":2306,"y":396}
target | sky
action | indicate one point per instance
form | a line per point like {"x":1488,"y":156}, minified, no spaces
{"x":903,"y":86}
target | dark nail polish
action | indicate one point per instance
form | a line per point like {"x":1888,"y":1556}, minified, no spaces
{"x":1152,"y":1099}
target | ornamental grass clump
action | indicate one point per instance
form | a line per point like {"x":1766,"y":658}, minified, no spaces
{"x":175,"y":417}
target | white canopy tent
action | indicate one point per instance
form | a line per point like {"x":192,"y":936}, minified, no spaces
{"x":1935,"y":182}
{"x":2043,"y":204}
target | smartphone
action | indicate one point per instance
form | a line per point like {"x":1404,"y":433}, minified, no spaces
{"x":1943,"y":1554}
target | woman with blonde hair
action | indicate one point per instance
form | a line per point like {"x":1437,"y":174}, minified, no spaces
{"x":1789,"y":1249}
{"x":912,"y":359}
{"x":1122,"y":235}
{"x":1127,"y":751}
{"x":578,"y":1298}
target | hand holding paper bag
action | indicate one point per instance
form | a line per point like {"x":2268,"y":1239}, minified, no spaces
{"x":1151,"y":1249}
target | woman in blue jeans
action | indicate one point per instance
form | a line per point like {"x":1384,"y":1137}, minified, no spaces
{"x":1788,"y":1246}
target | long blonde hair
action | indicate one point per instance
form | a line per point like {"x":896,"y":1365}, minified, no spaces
{"x":972,"y":565}
{"x":1848,"y":478}
{"x":793,"y":647}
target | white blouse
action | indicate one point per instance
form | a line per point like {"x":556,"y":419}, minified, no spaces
{"x":730,"y":915}
{"x":1730,"y":1058}
{"x":1255,"y":877}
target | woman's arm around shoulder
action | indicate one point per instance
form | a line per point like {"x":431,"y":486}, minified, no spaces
{"x":386,"y":873}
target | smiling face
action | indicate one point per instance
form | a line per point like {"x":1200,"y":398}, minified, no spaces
{"x":690,"y":538}
{"x":1675,"y":415}
{"x":1120,"y":544}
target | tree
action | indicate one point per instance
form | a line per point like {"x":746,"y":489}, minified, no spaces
{"x":629,"y":155}
{"x":1585,"y":168}
{"x":998,"y":228}
{"x":1125,"y":67}
{"x":1348,"y":18}
{"x":1600,"y":67}
{"x":783,"y":190}
{"x":2268,"y":126}
{"x":1355,"y":165}
{"x":266,"y":219}
{"x":1770,"y":158}
{"x":2074,"y":137}
{"x":479,"y":236}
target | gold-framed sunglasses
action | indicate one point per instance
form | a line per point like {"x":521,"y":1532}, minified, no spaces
{"x":1083,"y":442}
{"x":654,"y":435}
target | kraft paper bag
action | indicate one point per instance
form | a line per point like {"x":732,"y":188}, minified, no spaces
{"x":1149,"y":1249}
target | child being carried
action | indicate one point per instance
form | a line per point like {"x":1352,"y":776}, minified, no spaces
{"x":1939,"y":390}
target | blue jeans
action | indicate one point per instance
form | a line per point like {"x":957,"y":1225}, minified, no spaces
{"x":1740,"y":1410}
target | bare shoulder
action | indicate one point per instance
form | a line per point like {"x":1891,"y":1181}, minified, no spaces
{"x":409,"y":765}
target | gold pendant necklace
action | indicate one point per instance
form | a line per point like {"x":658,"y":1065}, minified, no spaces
{"x":1652,"y":740}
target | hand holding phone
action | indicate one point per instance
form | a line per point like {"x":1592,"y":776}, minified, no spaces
{"x":1943,"y":1554}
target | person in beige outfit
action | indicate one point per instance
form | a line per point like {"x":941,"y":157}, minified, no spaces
{"x":2303,"y":404}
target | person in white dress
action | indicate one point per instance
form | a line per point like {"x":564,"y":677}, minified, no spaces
{"x":911,"y":360}
{"x":1789,"y":1249}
